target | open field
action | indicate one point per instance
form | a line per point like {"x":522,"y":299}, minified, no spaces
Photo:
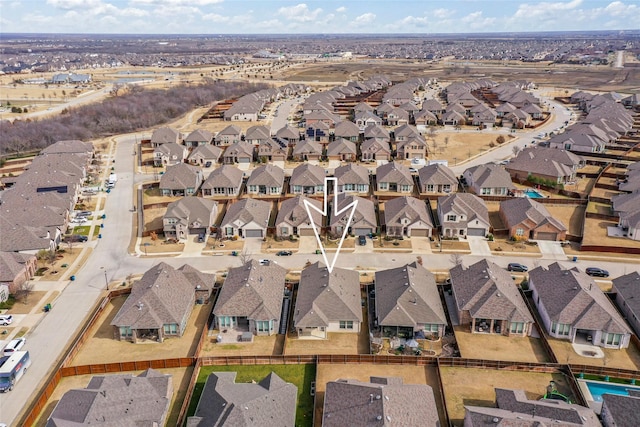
{"x":101,"y":347}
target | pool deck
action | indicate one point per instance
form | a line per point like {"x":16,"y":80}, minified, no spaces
{"x":593,"y":404}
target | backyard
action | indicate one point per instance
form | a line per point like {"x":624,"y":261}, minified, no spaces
{"x":499,"y":347}
{"x":628,"y":358}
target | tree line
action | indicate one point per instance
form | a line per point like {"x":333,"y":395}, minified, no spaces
{"x":132,"y":111}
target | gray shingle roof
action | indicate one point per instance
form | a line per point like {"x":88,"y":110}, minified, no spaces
{"x":437,"y":174}
{"x":406,"y":208}
{"x":352,"y":173}
{"x":246,"y":211}
{"x":259,"y":132}
{"x":271,"y":402}
{"x":572,"y":297}
{"x":363,"y":217}
{"x":180,"y":176}
{"x":199,"y":135}
{"x":162,"y":296}
{"x":68,"y":146}
{"x":408,"y":296}
{"x":212,"y":152}
{"x":254,"y":291}
{"x":308,"y":147}
{"x":116,"y":400}
{"x":623,"y":410}
{"x":381,"y":402}
{"x":269,"y":175}
{"x":488,"y":176}
{"x":487,"y":291}
{"x":375,"y":145}
{"x":341,"y":146}
{"x":192,"y":210}
{"x":227,"y":176}
{"x":324,"y":297}
{"x":347,"y":129}
{"x":12,"y":264}
{"x":523,"y":209}
{"x":293,"y":212}
{"x":165,"y":136}
{"x":307,"y":174}
{"x":468,"y":204}
{"x":394,"y":172}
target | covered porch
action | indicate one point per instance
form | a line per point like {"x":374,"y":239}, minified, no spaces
{"x":319,"y":332}
{"x":487,"y":326}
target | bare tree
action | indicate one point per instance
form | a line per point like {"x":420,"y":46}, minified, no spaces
{"x":71,"y":240}
{"x":23,"y":291}
{"x":516,"y":150}
{"x":456,"y":259}
{"x":245,"y":256}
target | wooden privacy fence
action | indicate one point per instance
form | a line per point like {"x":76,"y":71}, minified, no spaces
{"x":138,"y":365}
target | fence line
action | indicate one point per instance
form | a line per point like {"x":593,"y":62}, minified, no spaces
{"x":182,"y":415}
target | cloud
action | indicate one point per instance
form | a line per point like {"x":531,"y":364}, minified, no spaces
{"x":171,"y":3}
{"x":341,"y":9}
{"x":419,"y":21}
{"x":442,"y":13}
{"x":531,"y":11}
{"x":619,"y":9}
{"x":476,"y":21}
{"x":365,"y":18}
{"x":299,"y":13}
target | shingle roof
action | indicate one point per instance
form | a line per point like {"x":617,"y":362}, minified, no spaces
{"x":572,"y":297}
{"x":307,"y":146}
{"x":623,"y":410}
{"x":376,"y":131}
{"x":258,"y":133}
{"x":288,"y":132}
{"x":406,"y":208}
{"x":180,"y":176}
{"x":341,"y":146}
{"x":307,"y":174}
{"x":162,"y":296}
{"x":487,"y":291}
{"x":437,"y":174}
{"x":352,"y":173}
{"x":293,"y":212}
{"x":246,"y":211}
{"x":472,"y":206}
{"x":394,"y":172}
{"x":239,"y":149}
{"x":270,"y":402}
{"x":381,"y":402}
{"x":521,"y":209}
{"x":165,"y":135}
{"x":12,"y":264}
{"x":363,"y":217}
{"x":68,"y":146}
{"x":375,"y":145}
{"x":253,"y":291}
{"x":206,"y":152}
{"x":116,"y":400}
{"x":192,"y":210}
{"x":199,"y":135}
{"x":488,"y":176}
{"x":269,"y":175}
{"x":227,"y":176}
{"x":408,"y":296}
{"x":325,"y":297}
{"x":346,"y":129}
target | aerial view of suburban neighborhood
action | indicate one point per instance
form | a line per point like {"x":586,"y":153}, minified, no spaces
{"x":319,"y":214}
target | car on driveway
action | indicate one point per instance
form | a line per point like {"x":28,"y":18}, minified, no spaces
{"x":207,"y":165}
{"x":362,"y":240}
{"x":514,"y":266}
{"x":596,"y":272}
{"x":75,"y":238}
{"x":6,"y":319}
{"x":284,"y":253}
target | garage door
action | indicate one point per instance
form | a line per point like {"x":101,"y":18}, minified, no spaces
{"x":476,"y":232}
{"x":306,"y":232}
{"x":546,"y":236}
{"x":361,"y":231}
{"x":420,"y":232}
{"x":253,"y":233}
{"x":244,"y":160}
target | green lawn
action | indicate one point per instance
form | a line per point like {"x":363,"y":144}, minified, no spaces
{"x":299,"y":375}
{"x":82,"y":230}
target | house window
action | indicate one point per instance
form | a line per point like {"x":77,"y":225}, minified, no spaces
{"x":171,"y":220}
{"x":228,"y":231}
{"x":219,"y":190}
{"x":263,"y":325}
{"x":519,"y":232}
{"x":126,"y":332}
{"x":405,"y":188}
{"x":517,"y":327}
{"x":446,"y":188}
{"x":225,"y":321}
{"x":346,"y":324}
{"x":284,"y":231}
{"x":297,"y":188}
{"x":383,"y":185}
{"x":431,"y":327}
{"x":430,"y":188}
{"x":611,"y":339}
{"x":171,"y":329}
{"x":560,"y":328}
{"x":349,"y":187}
{"x":451,"y":217}
{"x":253,"y":189}
{"x":485,"y":191}
{"x":274,"y":190}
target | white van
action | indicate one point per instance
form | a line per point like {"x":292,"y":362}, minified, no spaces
{"x":14,"y":345}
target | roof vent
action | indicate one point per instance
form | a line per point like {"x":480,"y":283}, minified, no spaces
{"x":495,"y":420}
{"x":379,"y":417}
{"x":378,"y":397}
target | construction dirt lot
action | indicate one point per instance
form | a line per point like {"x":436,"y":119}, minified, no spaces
{"x":363,"y":372}
{"x":102,"y":347}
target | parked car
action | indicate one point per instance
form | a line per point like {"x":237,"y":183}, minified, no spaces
{"x":75,"y":238}
{"x":201,"y":237}
{"x":597,"y":272}
{"x":264,"y":262}
{"x":14,"y":345}
{"x":80,"y":220}
{"x":83,"y":213}
{"x":514,"y":266}
{"x":284,"y":253}
{"x":6,"y":319}
{"x":207,"y":165}
{"x":362,"y":240}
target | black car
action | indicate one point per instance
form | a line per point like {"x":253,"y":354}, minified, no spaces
{"x":207,"y":165}
{"x":514,"y":266}
{"x":75,"y":238}
{"x":284,"y":253}
{"x":597,"y":272}
{"x":362,"y":240}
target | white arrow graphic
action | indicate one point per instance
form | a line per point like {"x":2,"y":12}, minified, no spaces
{"x":324,"y":212}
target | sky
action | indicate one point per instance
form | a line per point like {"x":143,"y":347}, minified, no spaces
{"x":314,"y":17}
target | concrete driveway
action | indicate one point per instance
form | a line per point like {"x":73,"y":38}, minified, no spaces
{"x":421,"y":245}
{"x":192,"y":247}
{"x":479,"y":246}
{"x":307,"y":245}
{"x":550,"y":249}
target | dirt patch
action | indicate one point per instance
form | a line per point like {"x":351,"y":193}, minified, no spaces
{"x":364,"y":372}
{"x":571,"y":216}
{"x":273,"y":245}
{"x":456,"y":246}
{"x":628,"y":358}
{"x":456,"y":146}
{"x":259,"y":347}
{"x":154,"y":195}
{"x":150,"y":246}
{"x":472,"y":386}
{"x":502,"y":246}
{"x":101,"y":347}
{"x":499,"y":347}
{"x":25,"y":307}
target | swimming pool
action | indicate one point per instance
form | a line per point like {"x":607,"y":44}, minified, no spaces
{"x":598,"y":388}
{"x":533,"y":194}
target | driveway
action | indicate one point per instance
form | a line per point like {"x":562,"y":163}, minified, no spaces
{"x":192,"y":247}
{"x":550,"y":249}
{"x":479,"y":246}
{"x":307,"y":245}
{"x":253,"y":245}
{"x":421,"y":245}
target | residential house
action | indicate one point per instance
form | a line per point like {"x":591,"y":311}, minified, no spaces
{"x":424,"y":118}
{"x":181,"y":180}
{"x":229,"y":135}
{"x":383,"y":401}
{"x":165,"y":136}
{"x":415,"y":148}
{"x":343,"y":150}
{"x":273,"y":150}
{"x":631,"y":101}
{"x":352,"y":178}
{"x":293,"y":218}
{"x":266,"y":180}
{"x":376,"y":131}
{"x":408,"y":304}
{"x":158,"y":307}
{"x":307,"y":179}
{"x":238,"y":152}
{"x":504,"y":109}
{"x":318,"y":132}
{"x":463,"y":214}
{"x":620,"y":410}
{"x":453,"y":118}
{"x":394,"y":177}
{"x":256,"y":135}
{"x":397,"y":117}
{"x":487,"y":300}
{"x":363,"y":222}
{"x":488,"y":180}
{"x":169,"y":154}
{"x":405,"y":133}
{"x":141,"y":399}
{"x":347,"y":130}
{"x":375,"y":150}
{"x":251,"y":299}
{"x":517,"y":119}
{"x":365,"y":119}
{"x":224,"y":181}
{"x":198,"y":137}
{"x":529,"y":220}
{"x":551,"y":164}
{"x":534,"y":111}
{"x":437,"y":178}
{"x":484,"y":118}
{"x":289,"y":134}
{"x":627,"y":296}
{"x":407,"y":216}
{"x":307,"y":150}
{"x":362,"y":106}
{"x":630,"y":222}
{"x":271,"y":401}
{"x":244,"y":110}
{"x":189,"y":216}
{"x":514,"y":408}
{"x":433,"y":106}
{"x":203,"y":154}
{"x":327,"y":302}
{"x":573,"y":307}
{"x":246,"y":218}
{"x":16,"y":269}
{"x":322,"y":116}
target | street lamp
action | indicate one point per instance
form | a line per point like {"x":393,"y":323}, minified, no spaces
{"x":106,"y":281}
